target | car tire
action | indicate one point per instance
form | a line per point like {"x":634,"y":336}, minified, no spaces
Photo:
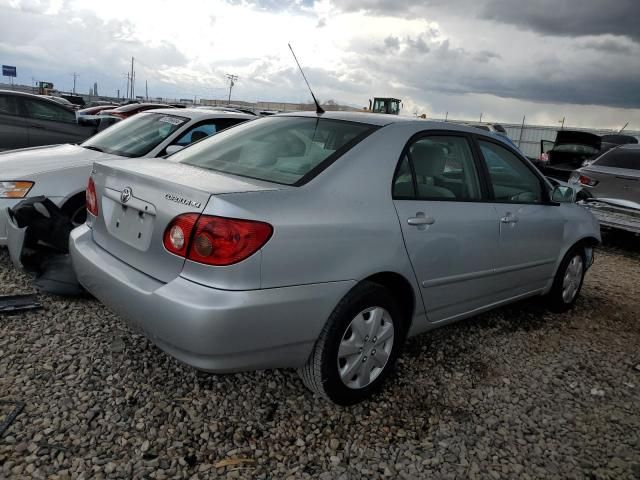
{"x":355,"y":344}
{"x":76,"y":210}
{"x":568,"y":280}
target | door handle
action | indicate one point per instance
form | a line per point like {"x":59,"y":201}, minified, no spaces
{"x":420,"y":220}
{"x":509,"y":218}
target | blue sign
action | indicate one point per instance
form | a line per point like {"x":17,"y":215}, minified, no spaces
{"x":9,"y":71}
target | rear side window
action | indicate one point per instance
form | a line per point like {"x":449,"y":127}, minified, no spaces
{"x":619,"y":158}
{"x":276,"y":149}
{"x":438,"y":168}
{"x":206,"y":129}
{"x":511,"y":179}
{"x":8,"y":105}
{"x":48,"y":111}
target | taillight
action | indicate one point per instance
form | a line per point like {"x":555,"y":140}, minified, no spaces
{"x":178,"y":233}
{"x":215,"y":240}
{"x":91,"y":198}
{"x":584,"y":180}
{"x":544,"y":157}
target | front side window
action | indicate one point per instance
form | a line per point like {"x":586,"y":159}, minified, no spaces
{"x":48,"y":111}
{"x":511,"y":179}
{"x":444,"y":169}
{"x":137,"y":135}
{"x":275,"y":149}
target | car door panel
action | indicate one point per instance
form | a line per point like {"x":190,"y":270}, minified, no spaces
{"x":49,"y":124}
{"x":453,"y":258}
{"x":13,"y":128}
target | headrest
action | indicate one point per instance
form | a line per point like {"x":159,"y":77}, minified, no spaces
{"x":428,"y":159}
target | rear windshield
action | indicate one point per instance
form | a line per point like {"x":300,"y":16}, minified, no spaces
{"x":275,"y":149}
{"x":620,"y":158}
{"x":136,"y":136}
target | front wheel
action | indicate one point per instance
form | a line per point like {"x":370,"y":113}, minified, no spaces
{"x":358,"y":346}
{"x":568,"y":280}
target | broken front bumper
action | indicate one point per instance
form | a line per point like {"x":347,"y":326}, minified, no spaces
{"x":613,"y":216}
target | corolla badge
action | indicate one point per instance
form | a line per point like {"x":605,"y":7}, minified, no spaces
{"x":182,"y":200}
{"x":126,"y":194}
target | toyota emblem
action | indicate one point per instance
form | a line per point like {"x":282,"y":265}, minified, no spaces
{"x":125,"y":195}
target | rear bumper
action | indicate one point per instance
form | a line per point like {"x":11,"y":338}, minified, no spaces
{"x":614,"y":217}
{"x":207,"y":328}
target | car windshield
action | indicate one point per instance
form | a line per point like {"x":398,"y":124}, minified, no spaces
{"x":275,"y":149}
{"x":620,"y":158}
{"x":137,"y":135}
{"x":575,"y":148}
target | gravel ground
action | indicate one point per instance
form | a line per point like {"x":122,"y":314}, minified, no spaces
{"x":516,"y":393}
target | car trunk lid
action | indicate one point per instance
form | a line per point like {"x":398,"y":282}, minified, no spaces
{"x":619,"y":183}
{"x":137,"y":200}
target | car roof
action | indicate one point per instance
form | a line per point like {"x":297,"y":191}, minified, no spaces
{"x":381,"y":119}
{"x":197,"y":114}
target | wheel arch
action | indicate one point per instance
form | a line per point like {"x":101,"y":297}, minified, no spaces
{"x":401,"y":289}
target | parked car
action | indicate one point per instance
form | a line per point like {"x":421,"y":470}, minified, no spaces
{"x":61,"y":101}
{"x":319,"y":242}
{"x":573,"y":148}
{"x":613,"y":184}
{"x":126,"y":111}
{"x":61,"y":172}
{"x":96,"y":109}
{"x":28,"y":120}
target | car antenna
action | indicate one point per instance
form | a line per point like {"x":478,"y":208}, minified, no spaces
{"x":319,"y":109}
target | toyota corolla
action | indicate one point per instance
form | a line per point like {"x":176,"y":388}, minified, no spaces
{"x":321,"y":241}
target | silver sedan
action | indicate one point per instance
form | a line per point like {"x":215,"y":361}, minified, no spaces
{"x":320,"y":242}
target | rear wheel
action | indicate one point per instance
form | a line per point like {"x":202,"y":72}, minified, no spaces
{"x":358,"y":346}
{"x":568,"y":280}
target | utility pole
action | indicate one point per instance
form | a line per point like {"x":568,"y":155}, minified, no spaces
{"x":232,"y":80}
{"x":481,"y":118}
{"x":146,"y":90}
{"x":75,"y":75}
{"x":446,"y":116}
{"x":562,"y":121}
{"x":127,"y":75}
{"x":132,"y":79}
{"x":521,"y":130}
{"x":118,"y":94}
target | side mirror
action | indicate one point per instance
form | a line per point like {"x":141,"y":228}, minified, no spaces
{"x":171,"y":149}
{"x":562,"y":194}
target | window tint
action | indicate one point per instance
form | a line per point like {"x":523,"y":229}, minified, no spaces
{"x":275,"y":149}
{"x":444,"y":169}
{"x":8,"y":105}
{"x":620,"y":158}
{"x":511,"y":179}
{"x":48,"y":111}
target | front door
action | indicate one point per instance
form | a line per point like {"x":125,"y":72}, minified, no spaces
{"x":451,"y":236}
{"x":51,"y":124}
{"x":531,"y":228}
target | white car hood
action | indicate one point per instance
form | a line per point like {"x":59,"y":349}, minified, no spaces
{"x":18,"y":164}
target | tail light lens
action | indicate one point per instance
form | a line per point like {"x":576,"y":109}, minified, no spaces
{"x":214,"y":240}
{"x":584,"y":180}
{"x":544,"y":158}
{"x":91,"y":198}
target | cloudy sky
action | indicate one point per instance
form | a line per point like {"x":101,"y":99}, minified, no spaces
{"x":545,"y":59}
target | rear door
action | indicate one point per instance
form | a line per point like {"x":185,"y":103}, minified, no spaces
{"x":49,"y":123}
{"x":531,"y":229}
{"x":450,"y":232}
{"x":13,"y":127}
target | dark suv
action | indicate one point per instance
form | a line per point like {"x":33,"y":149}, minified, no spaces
{"x":28,"y":120}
